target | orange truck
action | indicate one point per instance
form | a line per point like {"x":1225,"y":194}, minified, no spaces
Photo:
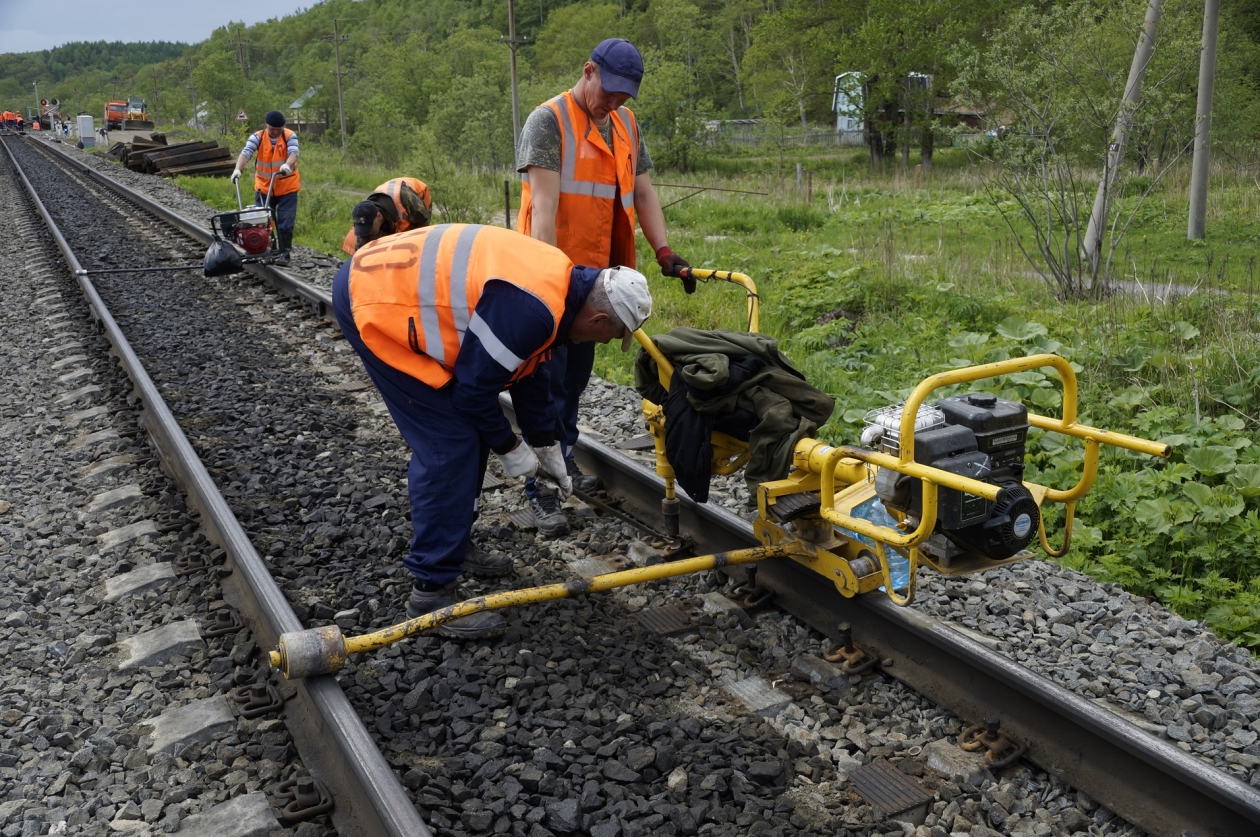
{"x":129,"y":115}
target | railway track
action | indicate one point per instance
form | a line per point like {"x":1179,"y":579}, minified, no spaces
{"x":1146,"y":780}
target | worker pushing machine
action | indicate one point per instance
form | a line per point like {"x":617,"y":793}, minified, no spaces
{"x":395,"y":206}
{"x":445,"y":318}
{"x":275,"y":174}
{"x":585,"y":180}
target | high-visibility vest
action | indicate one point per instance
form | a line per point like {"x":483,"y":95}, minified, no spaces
{"x":590,"y":174}
{"x":393,"y":188}
{"x":271,"y":157}
{"x":8,"y":116}
{"x":414,"y":295}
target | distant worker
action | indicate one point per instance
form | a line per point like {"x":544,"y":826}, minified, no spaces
{"x":589,"y":213}
{"x":395,"y":206}
{"x":277,"y":149}
{"x":7,"y":117}
{"x":488,"y":305}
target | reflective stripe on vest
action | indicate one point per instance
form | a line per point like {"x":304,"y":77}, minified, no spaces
{"x":414,"y":295}
{"x":270,"y":157}
{"x":590,"y":174}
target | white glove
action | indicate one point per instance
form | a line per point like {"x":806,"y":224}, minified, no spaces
{"x":519,"y":461}
{"x":551,"y":463}
{"x":286,"y":169}
{"x":236,"y":175}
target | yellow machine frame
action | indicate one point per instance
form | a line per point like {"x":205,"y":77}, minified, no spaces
{"x":843,"y":477}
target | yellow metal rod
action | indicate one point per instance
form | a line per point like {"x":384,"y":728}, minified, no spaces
{"x":910,"y":412}
{"x":534,"y":595}
{"x":1106,"y":437}
{"x":824,"y":459}
{"x":664,"y":369}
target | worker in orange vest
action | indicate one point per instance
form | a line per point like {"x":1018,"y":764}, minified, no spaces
{"x":276,"y":169}
{"x":7,"y":116}
{"x":445,"y":318}
{"x":585,"y":181}
{"x":395,"y":206}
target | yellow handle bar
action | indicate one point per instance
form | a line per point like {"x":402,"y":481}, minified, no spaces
{"x":754,"y":323}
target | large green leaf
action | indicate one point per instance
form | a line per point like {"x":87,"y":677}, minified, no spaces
{"x":968,"y":339}
{"x":1212,"y":460}
{"x":1157,"y":514}
{"x":1246,"y":478}
{"x":1014,"y":328}
{"x":1184,"y":330}
{"x":1215,"y":504}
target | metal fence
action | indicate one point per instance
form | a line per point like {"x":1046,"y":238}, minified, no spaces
{"x":757,"y":138}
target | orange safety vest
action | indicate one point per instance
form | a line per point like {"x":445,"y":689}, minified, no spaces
{"x":590,"y":175}
{"x":413,"y":295}
{"x":8,"y":116}
{"x":392,"y":188}
{"x":271,"y":157}
{"x":35,"y":126}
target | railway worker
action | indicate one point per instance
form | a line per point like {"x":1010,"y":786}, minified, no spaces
{"x":8,"y":118}
{"x":277,"y":149}
{"x":395,"y":206}
{"x":585,"y":179}
{"x":488,"y":307}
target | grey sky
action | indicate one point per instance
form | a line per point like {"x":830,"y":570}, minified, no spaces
{"x":29,"y":25}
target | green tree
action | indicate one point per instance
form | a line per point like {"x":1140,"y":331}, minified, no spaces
{"x":219,"y":80}
{"x":565,"y":43}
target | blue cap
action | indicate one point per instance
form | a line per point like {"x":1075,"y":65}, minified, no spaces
{"x":275,"y":119}
{"x":620,"y":66}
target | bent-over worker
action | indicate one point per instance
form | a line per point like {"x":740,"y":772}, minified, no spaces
{"x":445,"y":318}
{"x":395,"y":206}
{"x":276,"y":169}
{"x":584,"y":171}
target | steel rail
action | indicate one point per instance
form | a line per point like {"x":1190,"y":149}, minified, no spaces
{"x":1148,"y":781}
{"x":332,"y":741}
{"x":318,"y":300}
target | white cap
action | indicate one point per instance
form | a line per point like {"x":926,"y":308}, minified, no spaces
{"x":627,"y":290}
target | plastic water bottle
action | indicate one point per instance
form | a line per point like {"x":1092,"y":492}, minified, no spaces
{"x":898,"y":565}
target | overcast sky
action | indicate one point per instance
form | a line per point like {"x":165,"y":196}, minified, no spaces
{"x":29,"y":25}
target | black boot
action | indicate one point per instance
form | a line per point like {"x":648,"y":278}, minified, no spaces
{"x":286,"y":241}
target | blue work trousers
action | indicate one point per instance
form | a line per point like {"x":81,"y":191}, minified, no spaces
{"x":283,"y":208}
{"x":448,"y":460}
{"x":570,"y":369}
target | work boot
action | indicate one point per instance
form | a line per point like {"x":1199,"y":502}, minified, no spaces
{"x":482,"y":625}
{"x":486,"y":564}
{"x":547,"y":514}
{"x":586,"y":483}
{"x":286,"y":242}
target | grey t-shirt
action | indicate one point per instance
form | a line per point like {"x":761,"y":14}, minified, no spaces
{"x":539,"y":144}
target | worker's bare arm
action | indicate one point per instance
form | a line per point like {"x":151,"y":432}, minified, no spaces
{"x":544,"y":190}
{"x":648,"y":207}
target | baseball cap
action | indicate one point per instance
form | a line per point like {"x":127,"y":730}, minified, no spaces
{"x":620,"y":66}
{"x":627,"y":290}
{"x":364,"y":216}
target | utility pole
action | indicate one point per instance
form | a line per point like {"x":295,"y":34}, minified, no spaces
{"x":1203,"y":122}
{"x":39,"y":110}
{"x":241,"y":56}
{"x":113,"y":87}
{"x":513,"y":43}
{"x":1120,"y":136}
{"x":154,"y":77}
{"x":336,"y":39}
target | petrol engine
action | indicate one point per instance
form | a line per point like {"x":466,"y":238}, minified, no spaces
{"x":977,"y":435}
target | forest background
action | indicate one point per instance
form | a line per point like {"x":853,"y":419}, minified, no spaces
{"x":933,"y":244}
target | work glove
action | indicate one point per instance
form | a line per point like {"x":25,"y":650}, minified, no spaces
{"x":673,"y":264}
{"x":236,"y":175}
{"x":520,"y":461}
{"x":286,"y":169}
{"x":551,"y":462}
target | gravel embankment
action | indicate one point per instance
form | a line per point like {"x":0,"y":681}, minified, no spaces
{"x":579,"y":720}
{"x":76,"y":471}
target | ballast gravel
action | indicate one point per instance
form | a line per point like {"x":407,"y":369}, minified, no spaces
{"x":579,"y":721}
{"x":76,"y":758}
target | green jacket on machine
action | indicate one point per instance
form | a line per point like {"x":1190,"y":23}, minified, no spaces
{"x":787,"y":407}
